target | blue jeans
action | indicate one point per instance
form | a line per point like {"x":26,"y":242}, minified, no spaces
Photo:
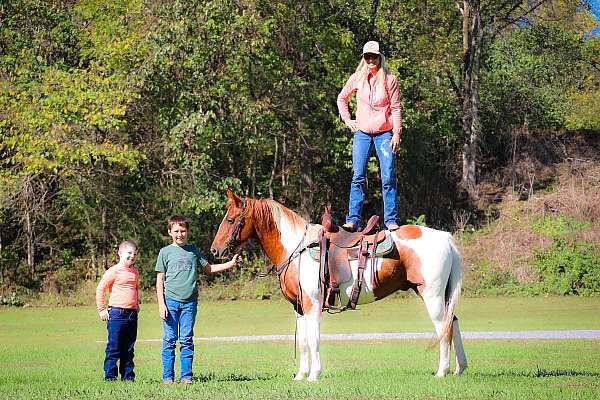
{"x":179,"y":325}
{"x":122,"y":333}
{"x":361,"y":151}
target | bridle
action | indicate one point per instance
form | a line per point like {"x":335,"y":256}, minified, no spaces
{"x":235,"y":237}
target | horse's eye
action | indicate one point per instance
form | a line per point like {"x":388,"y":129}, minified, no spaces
{"x":230,"y":220}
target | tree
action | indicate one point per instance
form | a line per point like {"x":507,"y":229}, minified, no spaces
{"x":481,"y":22}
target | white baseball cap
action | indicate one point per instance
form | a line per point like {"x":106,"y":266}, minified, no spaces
{"x":371,"y":47}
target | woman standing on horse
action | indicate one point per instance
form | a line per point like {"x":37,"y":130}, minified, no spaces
{"x":378,"y":123}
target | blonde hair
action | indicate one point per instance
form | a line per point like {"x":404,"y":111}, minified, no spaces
{"x":127,"y":244}
{"x":380,"y":77}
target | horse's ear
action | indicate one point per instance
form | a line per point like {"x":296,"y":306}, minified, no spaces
{"x":233,"y":198}
{"x":327,"y":209}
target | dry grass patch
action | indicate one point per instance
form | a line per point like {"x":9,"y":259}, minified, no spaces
{"x":503,"y":251}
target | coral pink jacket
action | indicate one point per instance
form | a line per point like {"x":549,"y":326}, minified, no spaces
{"x":123,"y":284}
{"x":375,"y":112}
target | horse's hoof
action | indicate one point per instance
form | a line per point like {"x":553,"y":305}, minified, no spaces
{"x":299,"y":376}
{"x":440,"y":374}
{"x":460,"y":369}
{"x":312,"y":379}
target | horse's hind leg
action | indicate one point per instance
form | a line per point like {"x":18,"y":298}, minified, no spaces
{"x":304,"y":368}
{"x":461,"y":357}
{"x":435,"y":307}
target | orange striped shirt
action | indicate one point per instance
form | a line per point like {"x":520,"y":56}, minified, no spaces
{"x":122,"y":283}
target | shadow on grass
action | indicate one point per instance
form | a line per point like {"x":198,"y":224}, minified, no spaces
{"x":230,"y":378}
{"x":540,"y":373}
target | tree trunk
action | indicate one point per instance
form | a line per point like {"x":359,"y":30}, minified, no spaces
{"x":104,"y":240}
{"x":306,"y":184}
{"x":472,"y":42}
{"x":372,"y":17}
{"x":28,"y":199}
{"x":253,"y":162}
{"x":272,"y":177}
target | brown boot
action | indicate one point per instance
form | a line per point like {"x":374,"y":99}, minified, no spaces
{"x":393,"y":227}
{"x":349,"y":227}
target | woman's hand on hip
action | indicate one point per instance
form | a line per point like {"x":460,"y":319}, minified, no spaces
{"x":395,"y":142}
{"x":351,"y":123}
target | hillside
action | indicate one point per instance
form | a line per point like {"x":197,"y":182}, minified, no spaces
{"x":547,"y":242}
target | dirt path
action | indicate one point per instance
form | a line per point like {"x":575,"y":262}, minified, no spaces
{"x":519,"y":335}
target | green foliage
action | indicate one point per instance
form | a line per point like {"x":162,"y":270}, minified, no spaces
{"x":559,"y":226}
{"x":569,"y":268}
{"x":12,"y":300}
{"x":116,"y":114}
{"x":420,"y":220}
{"x":489,"y":279}
{"x":529,"y":75}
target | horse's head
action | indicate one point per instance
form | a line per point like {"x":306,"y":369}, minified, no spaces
{"x":235,"y":228}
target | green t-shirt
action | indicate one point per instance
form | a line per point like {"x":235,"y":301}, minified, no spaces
{"x":180,"y":265}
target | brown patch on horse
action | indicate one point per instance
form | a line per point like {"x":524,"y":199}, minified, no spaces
{"x":307,"y":304}
{"x":408,"y":232}
{"x":261,"y":215}
{"x":400,"y":270}
{"x":288,"y":282}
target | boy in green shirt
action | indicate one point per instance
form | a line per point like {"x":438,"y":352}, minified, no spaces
{"x":177,"y":293}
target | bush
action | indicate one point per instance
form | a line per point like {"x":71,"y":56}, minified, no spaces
{"x":569,"y":268}
{"x":488,"y":279}
{"x":560,"y":226}
{"x":11,"y":300}
{"x":63,"y":272}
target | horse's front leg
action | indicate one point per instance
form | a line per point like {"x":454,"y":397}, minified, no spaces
{"x":313,"y":333}
{"x":304,"y":368}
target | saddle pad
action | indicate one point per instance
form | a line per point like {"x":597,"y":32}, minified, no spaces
{"x":383,"y":248}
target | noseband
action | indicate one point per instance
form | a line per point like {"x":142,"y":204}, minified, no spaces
{"x":235,"y":237}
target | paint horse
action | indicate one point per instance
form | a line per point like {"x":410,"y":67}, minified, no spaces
{"x":425,"y":260}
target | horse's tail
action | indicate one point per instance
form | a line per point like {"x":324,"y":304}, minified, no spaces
{"x":453,"y":289}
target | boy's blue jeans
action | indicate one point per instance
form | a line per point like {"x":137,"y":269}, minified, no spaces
{"x":122,"y":333}
{"x":361,"y":151}
{"x":179,"y":325}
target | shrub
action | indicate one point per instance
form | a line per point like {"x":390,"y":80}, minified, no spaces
{"x":12,"y":300}
{"x":559,"y":226}
{"x":569,"y":268}
{"x":489,"y":279}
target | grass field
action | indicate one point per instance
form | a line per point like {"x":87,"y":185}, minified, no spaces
{"x":54,"y":353}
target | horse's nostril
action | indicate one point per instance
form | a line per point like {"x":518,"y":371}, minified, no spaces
{"x":213,"y":251}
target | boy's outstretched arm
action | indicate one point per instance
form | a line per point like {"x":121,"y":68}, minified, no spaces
{"x":214,"y":268}
{"x":160,"y":295}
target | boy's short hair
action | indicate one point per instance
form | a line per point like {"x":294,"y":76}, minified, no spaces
{"x":126,"y":244}
{"x":179,"y":220}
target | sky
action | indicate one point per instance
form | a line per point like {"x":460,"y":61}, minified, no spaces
{"x":596,"y":11}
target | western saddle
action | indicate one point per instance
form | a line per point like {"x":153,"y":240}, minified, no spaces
{"x":338,"y":247}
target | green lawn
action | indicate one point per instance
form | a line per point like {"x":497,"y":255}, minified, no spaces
{"x":53,"y":353}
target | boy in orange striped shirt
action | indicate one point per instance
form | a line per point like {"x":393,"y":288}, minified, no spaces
{"x":122,"y":281}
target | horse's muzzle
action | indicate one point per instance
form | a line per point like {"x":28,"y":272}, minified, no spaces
{"x":219,"y":253}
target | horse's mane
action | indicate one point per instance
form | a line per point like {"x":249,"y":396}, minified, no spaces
{"x":267,"y":212}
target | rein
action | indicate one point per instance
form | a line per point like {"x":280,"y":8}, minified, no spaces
{"x":279,"y":268}
{"x":233,"y":239}
{"x":298,"y":250}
